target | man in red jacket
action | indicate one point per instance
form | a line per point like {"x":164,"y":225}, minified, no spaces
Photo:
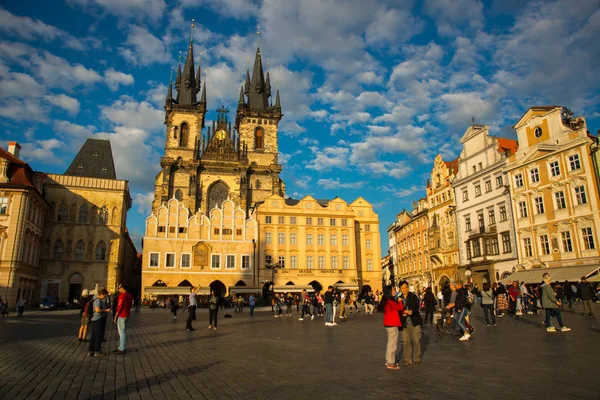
{"x":121,"y":317}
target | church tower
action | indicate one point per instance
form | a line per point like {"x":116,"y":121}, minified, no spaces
{"x":184,"y":120}
{"x":257,"y":121}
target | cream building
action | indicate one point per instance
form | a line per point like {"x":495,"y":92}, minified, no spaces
{"x":443,"y":244}
{"x":22,"y":210}
{"x":554,"y":190}
{"x":85,"y":239}
{"x":319,"y":243}
{"x":486,"y":234}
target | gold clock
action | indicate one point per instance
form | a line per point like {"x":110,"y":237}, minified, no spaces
{"x":221,"y":134}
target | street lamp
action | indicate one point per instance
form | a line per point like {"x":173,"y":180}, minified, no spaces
{"x":273,"y":268}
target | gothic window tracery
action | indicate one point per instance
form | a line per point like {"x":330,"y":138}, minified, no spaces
{"x":178,"y":194}
{"x":184,"y":135}
{"x":259,"y":138}
{"x":217,"y":194}
{"x":103,"y":217}
{"x":101,"y":251}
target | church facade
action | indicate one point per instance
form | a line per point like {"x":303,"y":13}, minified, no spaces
{"x":204,"y":228}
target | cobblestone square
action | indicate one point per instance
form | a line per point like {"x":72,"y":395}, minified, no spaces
{"x":283,"y":358}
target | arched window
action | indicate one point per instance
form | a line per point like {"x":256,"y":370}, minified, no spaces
{"x":63,"y":213}
{"x":83,"y":214}
{"x":79,"y":251}
{"x":58,"y":248}
{"x":103,"y":216}
{"x":115,"y":216}
{"x":184,"y":135}
{"x":217,"y":194}
{"x":178,"y":194}
{"x":100,"y":251}
{"x":259,"y":138}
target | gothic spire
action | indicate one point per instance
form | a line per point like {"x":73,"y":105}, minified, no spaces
{"x":188,"y":90}
{"x":247,"y":84}
{"x":241,"y":100}
{"x":203,"y":97}
{"x":198,"y":74}
{"x":170,"y":91}
{"x":258,"y":98}
{"x":268,"y":85}
{"x":277,"y":102}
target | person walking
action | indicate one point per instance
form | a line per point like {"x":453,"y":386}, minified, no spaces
{"x":95,"y":310}
{"x":240,"y":304}
{"x":84,"y":320}
{"x":391,"y":321}
{"x":501,"y":299}
{"x":585,"y":294}
{"x":551,"y":305}
{"x":460,"y":305}
{"x":430,"y":304}
{"x":329,"y":306}
{"x":305,"y":306}
{"x":252,"y":304}
{"x":174,"y":304}
{"x":513,"y":294}
{"x":124,"y":303}
{"x":191,"y":308}
{"x":411,"y":325}
{"x":20,"y":307}
{"x":136,"y":304}
{"x":289,"y":302}
{"x":487,"y":303}
{"x":213,"y":310}
{"x":343,"y":304}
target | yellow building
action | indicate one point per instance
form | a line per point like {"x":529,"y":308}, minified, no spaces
{"x":22,"y":209}
{"x":443,"y":244}
{"x":319,"y":243}
{"x":85,"y":239}
{"x":554,"y":190}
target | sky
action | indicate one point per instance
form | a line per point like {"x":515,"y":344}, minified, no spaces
{"x":371,"y":91}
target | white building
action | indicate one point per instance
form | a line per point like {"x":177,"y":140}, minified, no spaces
{"x":486,"y":235}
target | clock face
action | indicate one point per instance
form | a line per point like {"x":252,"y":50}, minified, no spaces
{"x":221,"y":134}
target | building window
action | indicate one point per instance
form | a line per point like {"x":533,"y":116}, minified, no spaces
{"x":103,"y":219}
{"x":492,"y":217}
{"x":83,"y":214}
{"x":216,"y":231}
{"x":560,"y":200}
{"x":344,"y":222}
{"x":554,"y":168}
{"x":519,"y":180}
{"x":100,"y":251}
{"x":368,"y":228}
{"x":225,"y":231}
{"x":566,"y":240}
{"x":488,"y":186}
{"x":535,"y":175}
{"x":468,"y":248}
{"x":320,"y":221}
{"x":538,"y":132}
{"x":344,"y":240}
{"x":293,"y":238}
{"x":539,"y":205}
{"x":486,"y":247}
{"x":268,"y":238}
{"x":185,"y":261}
{"x":499,"y":182}
{"x":545,"y":244}
{"x":523,"y":209}
{"x":292,"y":220}
{"x":79,"y":250}
{"x":309,"y":262}
{"x":369,"y":265}
{"x":477,"y":190}
{"x":588,"y":239}
{"x":268,"y":259}
{"x":527,"y":247}
{"x":321,"y":262}
{"x":268,"y":219}
{"x":161,"y":229}
{"x":321,"y":240}
{"x":506,"y":247}
{"x":215,"y":261}
{"x":346,"y":262}
{"x":309,"y":239}
{"x":332,"y":221}
{"x":281,"y":238}
{"x":170,"y":260}
{"x":574,"y":162}
{"x":230,"y":261}
{"x":476,"y":248}
{"x":333,"y":239}
{"x":481,"y":222}
{"x":245,"y":262}
{"x":281,"y":220}
{"x":57,"y":251}
{"x":465,"y":195}
{"x":580,"y":195}
{"x":368,"y":244}
{"x":293,"y":262}
{"x":308,"y":221}
{"x":468,"y":223}
{"x":259,"y":138}
{"x":154,"y":260}
{"x":334,"y":263}
{"x":238,"y":232}
{"x":184,"y":136}
{"x":494,"y":250}
{"x":3,"y":205}
{"x":63,"y":213}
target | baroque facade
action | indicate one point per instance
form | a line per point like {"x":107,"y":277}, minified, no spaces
{"x":554,"y":190}
{"x":486,"y":235}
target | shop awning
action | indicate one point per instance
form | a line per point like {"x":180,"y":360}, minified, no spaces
{"x":292,"y":288}
{"x":244,"y":289}
{"x":346,"y":286}
{"x":560,"y":274}
{"x":173,"y":290}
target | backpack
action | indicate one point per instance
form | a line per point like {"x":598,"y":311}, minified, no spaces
{"x":89,"y":309}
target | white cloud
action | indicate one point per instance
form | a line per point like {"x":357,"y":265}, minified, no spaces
{"x":398,"y":169}
{"x":461,"y":107}
{"x":114,"y":79}
{"x":157,"y":94}
{"x":73,"y":133}
{"x":143,"y":202}
{"x":329,"y":157}
{"x":239,"y":9}
{"x":20,"y":110}
{"x":139,"y":9}
{"x":65,"y":102}
{"x":136,"y":115}
{"x":451,"y":15}
{"x":408,"y":191}
{"x":303,"y":182}
{"x":42,"y":150}
{"x":337,"y":184}
{"x":408,"y":139}
{"x":58,"y":72}
{"x":143,"y":48}
{"x":392,"y":27}
{"x":15,"y":84}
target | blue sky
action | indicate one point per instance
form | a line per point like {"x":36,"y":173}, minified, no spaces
{"x":371,"y":90}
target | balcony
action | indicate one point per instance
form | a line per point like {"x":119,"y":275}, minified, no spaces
{"x":482,"y":231}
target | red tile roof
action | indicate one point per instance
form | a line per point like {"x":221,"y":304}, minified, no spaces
{"x":509,"y":145}
{"x":452,"y":165}
{"x":19,"y":172}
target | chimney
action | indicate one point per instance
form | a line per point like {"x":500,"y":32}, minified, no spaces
{"x":14,"y":148}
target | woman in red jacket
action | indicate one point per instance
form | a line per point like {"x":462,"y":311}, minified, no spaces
{"x":391,"y":321}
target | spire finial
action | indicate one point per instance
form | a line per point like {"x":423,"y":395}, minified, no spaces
{"x":180,"y":54}
{"x":192,"y":31}
{"x":473,"y":121}
{"x":258,"y":35}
